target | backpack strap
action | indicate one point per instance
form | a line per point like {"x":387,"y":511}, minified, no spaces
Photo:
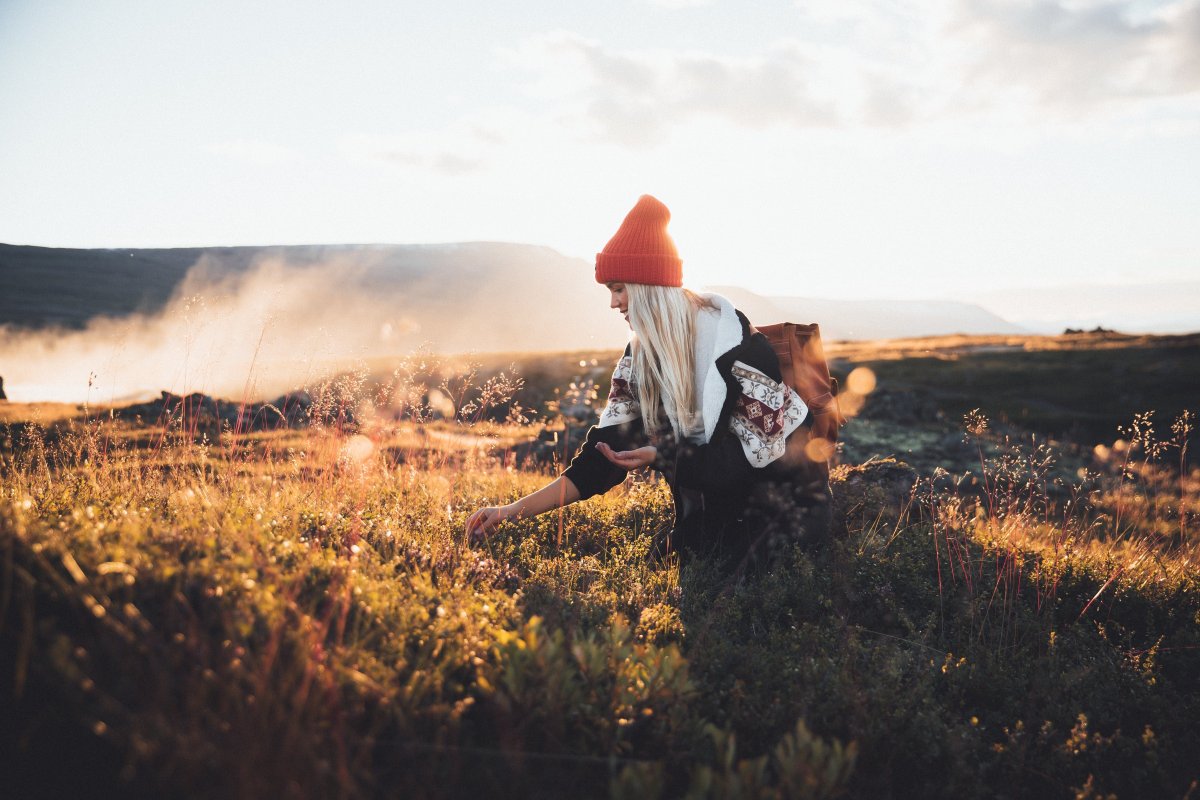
{"x":804,"y":368}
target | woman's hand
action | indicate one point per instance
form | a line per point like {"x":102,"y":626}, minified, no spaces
{"x":629,"y":459}
{"x":485,"y":520}
{"x":556,"y":494}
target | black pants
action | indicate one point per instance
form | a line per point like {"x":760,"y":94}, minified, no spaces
{"x":746,"y":530}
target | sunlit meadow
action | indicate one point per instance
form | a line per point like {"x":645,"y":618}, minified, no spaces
{"x":278,"y":600}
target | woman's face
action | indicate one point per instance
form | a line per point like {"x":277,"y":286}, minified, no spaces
{"x":620,"y":299}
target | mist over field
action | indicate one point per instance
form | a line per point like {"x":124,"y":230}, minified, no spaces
{"x":116,"y":325}
{"x":286,"y":318}
{"x":255,"y":332}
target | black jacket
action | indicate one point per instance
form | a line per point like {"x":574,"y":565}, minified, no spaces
{"x":728,"y":489}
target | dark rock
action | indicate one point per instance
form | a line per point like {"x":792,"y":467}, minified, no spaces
{"x":202,"y":414}
{"x":879,"y":490}
{"x":1099,"y":329}
{"x":294,"y":407}
{"x":901,"y":406}
{"x":552,"y":445}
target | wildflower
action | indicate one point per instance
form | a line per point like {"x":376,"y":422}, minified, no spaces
{"x":976,"y":422}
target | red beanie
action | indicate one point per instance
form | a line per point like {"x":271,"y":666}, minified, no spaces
{"x":642,"y":250}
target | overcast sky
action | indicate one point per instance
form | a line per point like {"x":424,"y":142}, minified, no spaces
{"x":902,"y":148}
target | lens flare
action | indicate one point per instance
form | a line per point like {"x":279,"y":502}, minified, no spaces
{"x":851,"y":403}
{"x":357,"y":449}
{"x":818,"y":449}
{"x":441,"y":403}
{"x":861,"y":380}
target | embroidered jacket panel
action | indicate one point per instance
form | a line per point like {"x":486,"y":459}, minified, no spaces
{"x":620,"y":427}
{"x":747,"y":420}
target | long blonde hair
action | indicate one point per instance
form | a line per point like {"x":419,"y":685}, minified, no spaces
{"x":663,"y":319}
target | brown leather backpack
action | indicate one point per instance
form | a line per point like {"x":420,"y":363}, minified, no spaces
{"x":805,"y":370}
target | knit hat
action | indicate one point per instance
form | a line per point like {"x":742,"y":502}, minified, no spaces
{"x":642,"y":250}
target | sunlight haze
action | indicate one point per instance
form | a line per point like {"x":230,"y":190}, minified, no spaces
{"x":927,"y":148}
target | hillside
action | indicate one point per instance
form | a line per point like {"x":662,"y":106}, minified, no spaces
{"x":524,"y":290}
{"x":120,"y":325}
{"x":228,"y":321}
{"x":873,"y":319}
{"x":424,"y":291}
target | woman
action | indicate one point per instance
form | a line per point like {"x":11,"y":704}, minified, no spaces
{"x":699,"y":397}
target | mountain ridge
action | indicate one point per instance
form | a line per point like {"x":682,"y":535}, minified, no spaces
{"x":121,"y":322}
{"x":43,"y":287}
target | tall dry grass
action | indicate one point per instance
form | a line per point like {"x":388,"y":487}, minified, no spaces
{"x":234,"y":612}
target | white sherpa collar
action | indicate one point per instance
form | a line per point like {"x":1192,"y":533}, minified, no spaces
{"x":716,"y":335}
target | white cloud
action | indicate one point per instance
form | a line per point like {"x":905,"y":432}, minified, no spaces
{"x":1079,"y":56}
{"x":634,"y":97}
{"x":884,"y":64}
{"x":254,"y":151}
{"x":458,"y":150}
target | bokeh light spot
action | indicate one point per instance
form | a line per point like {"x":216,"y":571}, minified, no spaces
{"x":357,"y":449}
{"x":441,"y":403}
{"x":818,"y":449}
{"x":851,"y":403}
{"x":861,"y":380}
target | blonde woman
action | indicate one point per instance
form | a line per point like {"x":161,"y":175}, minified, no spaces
{"x":698,"y":396}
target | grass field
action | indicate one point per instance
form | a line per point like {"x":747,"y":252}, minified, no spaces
{"x":187,"y":611}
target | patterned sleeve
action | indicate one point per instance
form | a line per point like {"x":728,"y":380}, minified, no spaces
{"x":620,"y":426}
{"x":766,"y":413}
{"x":622,"y":403}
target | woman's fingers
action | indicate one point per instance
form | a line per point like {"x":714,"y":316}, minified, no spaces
{"x":484,"y":521}
{"x":628,"y":459}
{"x":619,"y":459}
{"x":478,"y":522}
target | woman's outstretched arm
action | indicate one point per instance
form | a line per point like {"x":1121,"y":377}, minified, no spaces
{"x":556,"y":494}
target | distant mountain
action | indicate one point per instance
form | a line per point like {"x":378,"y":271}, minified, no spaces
{"x":117,"y":323}
{"x":871,"y":319}
{"x":54,"y":286}
{"x":476,"y":296}
{"x":111,"y":325}
{"x":1161,"y":307}
{"x":471,"y":296}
